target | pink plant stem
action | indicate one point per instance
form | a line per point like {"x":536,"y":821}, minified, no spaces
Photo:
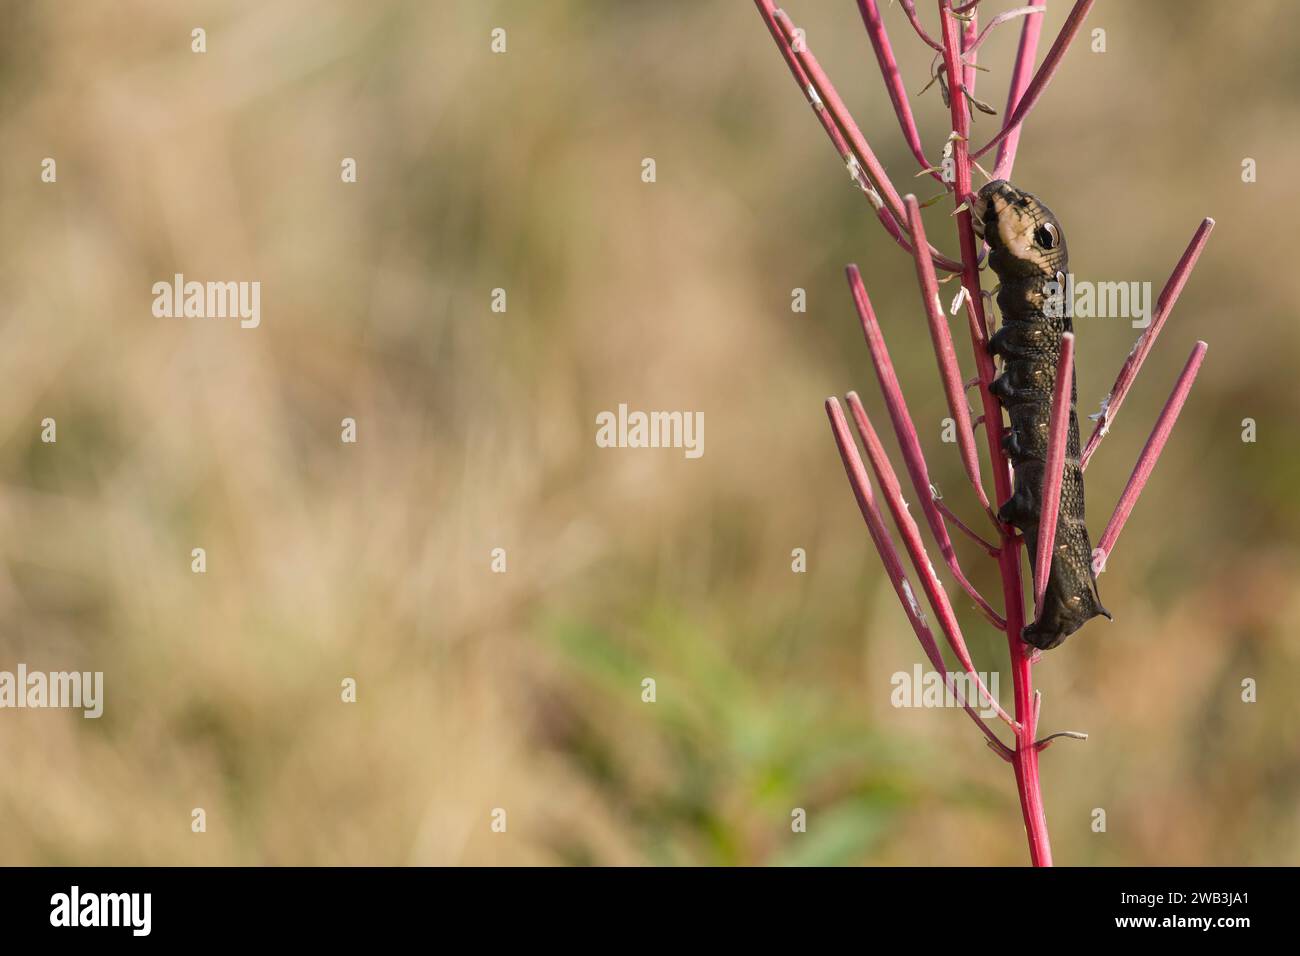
{"x":968,"y":49}
{"x":1146,"y":462}
{"x":1026,"y":760}
{"x":988,"y":546}
{"x":908,"y":441}
{"x":861,"y":484}
{"x":962,"y":189}
{"x":1146,"y":341}
{"x":1064,"y":734}
{"x":992,"y":411}
{"x":834,"y":105}
{"x":970,"y":33}
{"x":892,"y":492}
{"x":941,"y":339}
{"x":1053,"y":470}
{"x":1021,"y":73}
{"x":909,"y":10}
{"x":1044,"y":75}
{"x":871,"y":19}
{"x":838,"y":124}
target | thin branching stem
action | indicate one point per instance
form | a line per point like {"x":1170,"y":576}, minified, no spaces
{"x":1066,"y":734}
{"x":1044,"y":75}
{"x":1058,"y":430}
{"x":969,"y":55}
{"x":892,"y":492}
{"x":946,"y":356}
{"x":909,"y":9}
{"x":861,"y":484}
{"x":875,"y":25}
{"x":968,"y":50}
{"x":1021,"y":73}
{"x":1146,"y":341}
{"x":865,"y":170}
{"x":1026,"y":762}
{"x":908,"y":442}
{"x":1146,"y":462}
{"x":948,"y":515}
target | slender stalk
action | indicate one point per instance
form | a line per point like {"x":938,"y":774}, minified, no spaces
{"x":968,"y":49}
{"x":1026,"y":761}
{"x":1053,"y":470}
{"x":911,"y":535}
{"x":861,"y":484}
{"x":945,"y":355}
{"x":909,"y":9}
{"x":1021,"y":72}
{"x":1146,"y":462}
{"x":988,"y":546}
{"x":1059,"y":735}
{"x":1044,"y":75}
{"x":1146,"y":341}
{"x":875,"y":25}
{"x":909,"y":443}
{"x":969,"y":52}
{"x":840,"y":113}
{"x":854,"y":151}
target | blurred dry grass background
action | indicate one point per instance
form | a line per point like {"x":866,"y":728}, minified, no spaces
{"x":522,"y":690}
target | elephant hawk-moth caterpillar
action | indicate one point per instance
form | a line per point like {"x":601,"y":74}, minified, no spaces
{"x":1027,"y":252}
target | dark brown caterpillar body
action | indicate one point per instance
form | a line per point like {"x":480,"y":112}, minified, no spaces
{"x":1027,"y":252}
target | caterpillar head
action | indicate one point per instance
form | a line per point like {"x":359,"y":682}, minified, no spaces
{"x":1024,"y":238}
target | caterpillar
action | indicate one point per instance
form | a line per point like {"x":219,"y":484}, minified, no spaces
{"x":1027,"y":252}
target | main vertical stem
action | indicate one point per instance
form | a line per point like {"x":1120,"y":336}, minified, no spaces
{"x":1026,"y":758}
{"x":1026,"y":754}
